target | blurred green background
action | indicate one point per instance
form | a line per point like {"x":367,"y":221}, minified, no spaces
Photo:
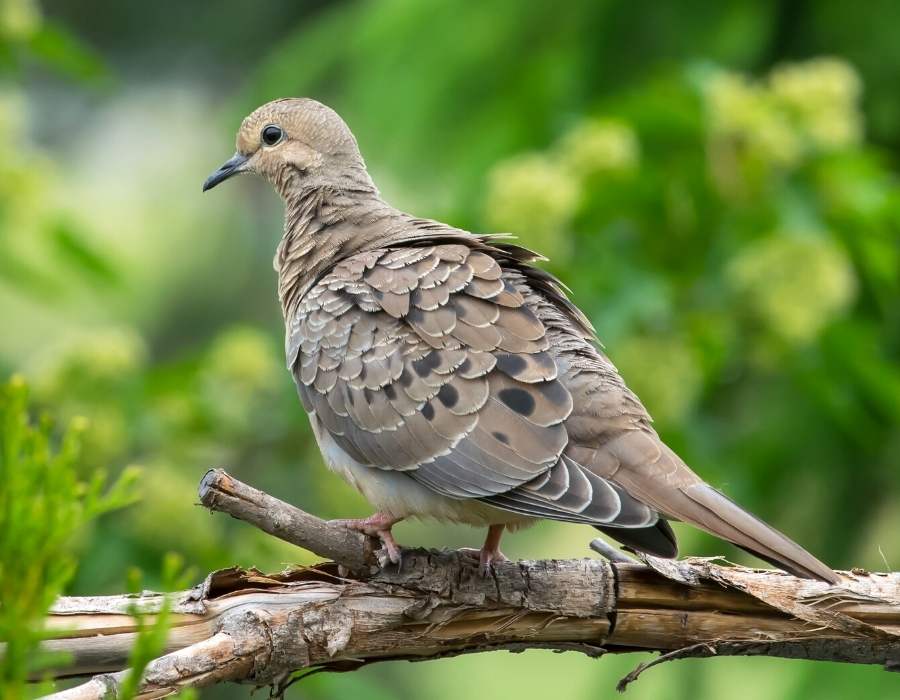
{"x":716,"y":181}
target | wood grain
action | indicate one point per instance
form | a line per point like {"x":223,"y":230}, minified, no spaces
{"x":243,"y":625}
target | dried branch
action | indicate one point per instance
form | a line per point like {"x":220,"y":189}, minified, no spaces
{"x":246,"y":626}
{"x":220,"y":492}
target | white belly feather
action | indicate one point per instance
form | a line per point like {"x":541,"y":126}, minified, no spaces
{"x":396,"y":493}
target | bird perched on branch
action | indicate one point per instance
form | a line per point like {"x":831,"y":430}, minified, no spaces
{"x":446,"y":376}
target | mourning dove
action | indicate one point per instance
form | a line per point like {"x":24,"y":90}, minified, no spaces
{"x":446,"y":376}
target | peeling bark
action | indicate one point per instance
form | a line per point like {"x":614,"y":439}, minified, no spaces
{"x":242,"y":625}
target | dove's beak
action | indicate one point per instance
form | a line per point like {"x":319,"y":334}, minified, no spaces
{"x":232,"y":166}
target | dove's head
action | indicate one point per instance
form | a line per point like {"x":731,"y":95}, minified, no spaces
{"x":296,"y":144}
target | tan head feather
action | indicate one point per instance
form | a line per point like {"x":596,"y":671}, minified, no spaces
{"x":298,"y":144}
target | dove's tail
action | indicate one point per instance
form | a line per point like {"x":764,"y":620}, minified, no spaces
{"x":713,"y":511}
{"x":669,"y":486}
{"x":708,"y":509}
{"x":702,"y":506}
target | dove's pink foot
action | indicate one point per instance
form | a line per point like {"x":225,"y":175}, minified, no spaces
{"x":376,"y":525}
{"x":490,"y":551}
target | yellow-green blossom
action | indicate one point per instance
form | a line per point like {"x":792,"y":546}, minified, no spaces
{"x":97,"y":357}
{"x":595,"y":146}
{"x":662,"y":370}
{"x":244,"y":357}
{"x":800,"y":109}
{"x":793,"y":284}
{"x":19,"y":19}
{"x":746,"y":112}
{"x":534,"y":197}
{"x":824,"y":94}
{"x":241,"y":372}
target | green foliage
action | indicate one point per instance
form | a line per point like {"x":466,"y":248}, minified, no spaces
{"x":43,"y":504}
{"x":26,"y":36}
{"x":150,"y":641}
{"x":41,"y":245}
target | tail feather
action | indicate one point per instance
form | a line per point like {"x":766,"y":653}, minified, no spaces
{"x":720,"y":516}
{"x":651,"y":472}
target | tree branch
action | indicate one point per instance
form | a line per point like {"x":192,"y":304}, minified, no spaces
{"x":220,"y":492}
{"x":242,"y":625}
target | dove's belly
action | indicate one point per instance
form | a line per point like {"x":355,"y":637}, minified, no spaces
{"x":396,"y":493}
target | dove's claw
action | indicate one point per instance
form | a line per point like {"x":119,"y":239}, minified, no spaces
{"x":390,"y":546}
{"x":377,"y":525}
{"x":489,"y":553}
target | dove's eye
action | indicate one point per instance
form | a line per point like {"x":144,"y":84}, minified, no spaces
{"x":272,"y":134}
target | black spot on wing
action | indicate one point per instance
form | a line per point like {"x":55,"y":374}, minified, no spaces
{"x":448,"y":395}
{"x":501,"y":437}
{"x":428,"y":411}
{"x":510,"y":364}
{"x":519,"y":400}
{"x":424,"y":365}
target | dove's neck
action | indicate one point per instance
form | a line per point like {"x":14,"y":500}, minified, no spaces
{"x":323,"y":225}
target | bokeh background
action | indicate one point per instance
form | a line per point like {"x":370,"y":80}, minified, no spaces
{"x":716,"y":181}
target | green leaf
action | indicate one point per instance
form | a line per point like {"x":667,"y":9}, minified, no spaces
{"x":43,"y":504}
{"x":60,"y":49}
{"x":73,"y":249}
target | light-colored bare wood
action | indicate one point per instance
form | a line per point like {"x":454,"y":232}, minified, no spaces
{"x":247,"y":626}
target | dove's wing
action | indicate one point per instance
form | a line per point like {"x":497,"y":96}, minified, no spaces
{"x":428,"y":361}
